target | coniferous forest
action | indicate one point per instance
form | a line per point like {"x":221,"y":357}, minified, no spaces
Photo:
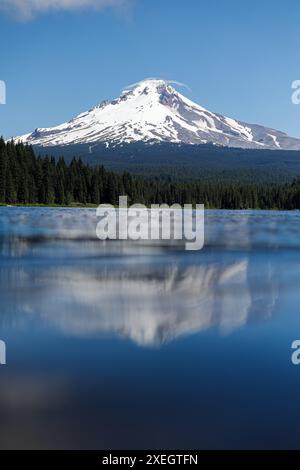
{"x":29,"y":179}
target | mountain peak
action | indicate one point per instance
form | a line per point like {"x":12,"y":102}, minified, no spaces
{"x":149,"y":85}
{"x":152,"y":110}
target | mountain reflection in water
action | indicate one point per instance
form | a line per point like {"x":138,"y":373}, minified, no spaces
{"x":148,"y":304}
{"x":124,"y":344}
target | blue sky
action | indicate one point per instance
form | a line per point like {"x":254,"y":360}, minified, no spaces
{"x":239,"y":61}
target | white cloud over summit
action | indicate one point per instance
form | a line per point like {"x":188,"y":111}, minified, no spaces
{"x":27,"y":9}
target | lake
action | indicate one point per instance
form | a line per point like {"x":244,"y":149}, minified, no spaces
{"x":128,"y":345}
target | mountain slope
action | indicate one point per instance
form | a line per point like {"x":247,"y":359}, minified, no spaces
{"x":153,"y":111}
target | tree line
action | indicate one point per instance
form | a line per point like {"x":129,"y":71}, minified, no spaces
{"x":26,"y":178}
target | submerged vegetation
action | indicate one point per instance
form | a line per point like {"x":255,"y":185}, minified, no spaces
{"x":29,"y":179}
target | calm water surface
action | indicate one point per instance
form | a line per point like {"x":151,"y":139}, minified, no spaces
{"x":130,"y":345}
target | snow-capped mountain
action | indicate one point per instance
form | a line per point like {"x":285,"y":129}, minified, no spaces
{"x":154,"y":111}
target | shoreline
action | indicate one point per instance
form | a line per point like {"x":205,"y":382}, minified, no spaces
{"x":94,"y":206}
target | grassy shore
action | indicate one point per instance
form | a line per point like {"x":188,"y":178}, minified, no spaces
{"x":78,"y":205}
{"x":71,"y":205}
